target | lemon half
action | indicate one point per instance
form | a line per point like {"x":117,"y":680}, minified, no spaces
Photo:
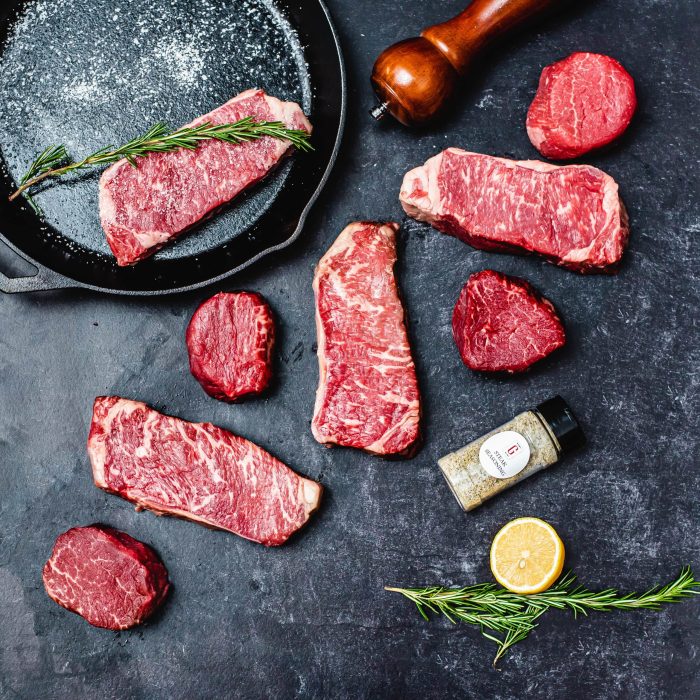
{"x":527,"y":556}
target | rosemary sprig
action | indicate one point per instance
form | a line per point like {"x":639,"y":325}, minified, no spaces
{"x":55,"y":161}
{"x":497,"y":611}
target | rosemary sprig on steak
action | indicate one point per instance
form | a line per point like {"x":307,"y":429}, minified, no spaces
{"x":497,"y":611}
{"x":55,"y":160}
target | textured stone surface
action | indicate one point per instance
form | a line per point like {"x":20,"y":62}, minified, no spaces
{"x":311,"y":619}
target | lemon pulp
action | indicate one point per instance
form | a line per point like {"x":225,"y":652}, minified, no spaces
{"x":527,"y":556}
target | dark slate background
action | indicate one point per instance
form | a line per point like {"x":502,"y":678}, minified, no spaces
{"x":311,"y":619}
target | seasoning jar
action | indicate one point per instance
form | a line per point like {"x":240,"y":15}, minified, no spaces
{"x":532,"y":441}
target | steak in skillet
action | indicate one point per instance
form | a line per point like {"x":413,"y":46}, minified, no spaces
{"x":143,"y":208}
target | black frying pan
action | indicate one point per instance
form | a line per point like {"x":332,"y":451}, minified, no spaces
{"x":89,"y":73}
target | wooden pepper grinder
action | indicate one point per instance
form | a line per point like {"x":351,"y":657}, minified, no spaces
{"x":415,"y":78}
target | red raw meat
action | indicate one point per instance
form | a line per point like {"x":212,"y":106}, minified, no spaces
{"x":583,"y":103}
{"x":368,"y":391}
{"x":570,"y":214}
{"x":105,"y":576}
{"x":502,"y":324}
{"x":196,"y":471}
{"x":143,"y":208}
{"x":229,"y":341}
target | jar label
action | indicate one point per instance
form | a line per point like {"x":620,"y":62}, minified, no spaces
{"x":505,"y":454}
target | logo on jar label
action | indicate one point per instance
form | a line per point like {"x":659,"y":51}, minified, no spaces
{"x":505,"y":454}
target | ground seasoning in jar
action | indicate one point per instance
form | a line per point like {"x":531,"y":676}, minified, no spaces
{"x":530,"y":442}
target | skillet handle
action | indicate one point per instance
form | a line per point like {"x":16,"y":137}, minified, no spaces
{"x":42,"y":281}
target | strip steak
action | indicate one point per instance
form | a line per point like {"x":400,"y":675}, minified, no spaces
{"x":583,"y":103}
{"x":570,"y":214}
{"x":105,"y":576}
{"x":503,"y":324}
{"x":229,"y":341}
{"x":143,"y":208}
{"x":368,"y":391}
{"x":196,"y":471}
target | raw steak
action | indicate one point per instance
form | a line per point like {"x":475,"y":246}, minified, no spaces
{"x":368,"y":392}
{"x":196,"y":471}
{"x":583,"y":102}
{"x":143,"y":208}
{"x":107,"y":577}
{"x":571,"y":214}
{"x":502,"y":324}
{"x":229,"y":341}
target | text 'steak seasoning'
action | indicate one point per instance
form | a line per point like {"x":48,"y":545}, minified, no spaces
{"x":530,"y":442}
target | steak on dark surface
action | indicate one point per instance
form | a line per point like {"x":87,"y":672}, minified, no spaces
{"x":368,"y":391}
{"x":570,"y":214}
{"x":143,"y":208}
{"x":196,"y":471}
{"x":502,"y":324}
{"x":583,"y":103}
{"x":105,"y":576}
{"x":229,"y":341}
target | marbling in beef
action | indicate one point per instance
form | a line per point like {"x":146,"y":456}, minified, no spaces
{"x":368,"y":391}
{"x":143,"y":208}
{"x":196,"y":471}
{"x":105,"y":576}
{"x":502,"y":324}
{"x":229,"y":341}
{"x":570,"y":214}
{"x":583,"y":103}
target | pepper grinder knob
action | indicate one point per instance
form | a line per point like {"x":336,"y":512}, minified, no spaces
{"x":379,"y":111}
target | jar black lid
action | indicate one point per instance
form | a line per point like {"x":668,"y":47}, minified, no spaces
{"x":562,"y":422}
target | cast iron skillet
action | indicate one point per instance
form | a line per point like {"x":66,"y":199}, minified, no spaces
{"x":89,"y":73}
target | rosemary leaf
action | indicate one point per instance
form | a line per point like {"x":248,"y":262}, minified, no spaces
{"x":496,"y":610}
{"x":55,"y":161}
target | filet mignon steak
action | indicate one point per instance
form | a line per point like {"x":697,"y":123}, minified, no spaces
{"x":502,"y":324}
{"x":229,"y":341}
{"x":583,"y":103}
{"x":142,"y":208}
{"x":105,"y":576}
{"x":368,"y":391}
{"x":196,"y":471}
{"x":570,"y":214}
